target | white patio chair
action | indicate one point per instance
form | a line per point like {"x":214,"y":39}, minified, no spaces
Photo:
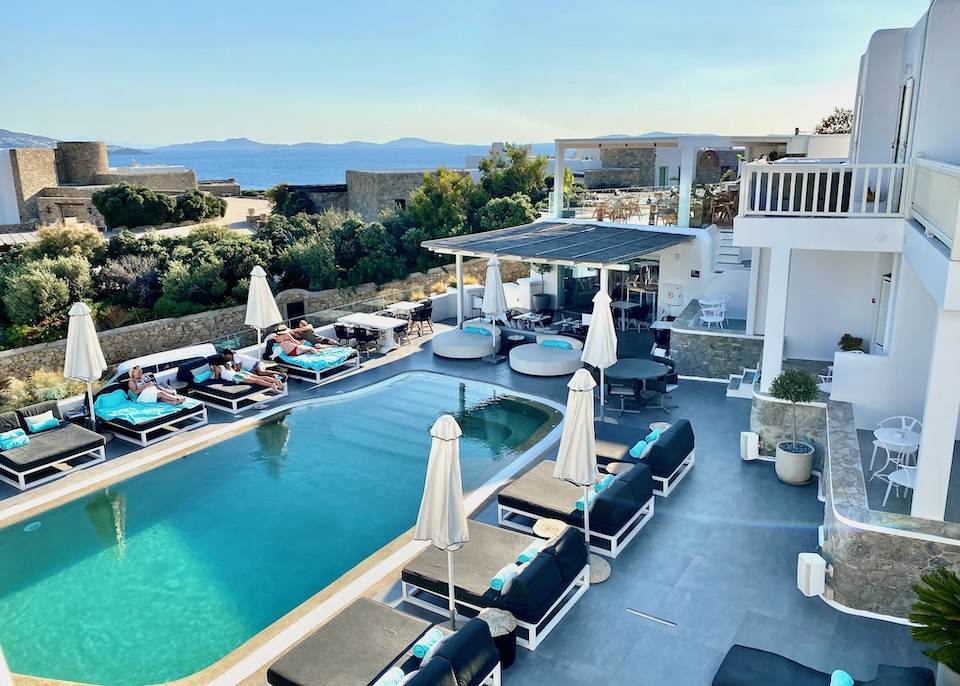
{"x":826,"y":384}
{"x":902,"y":422}
{"x":906,"y":477}
{"x":713,"y":314}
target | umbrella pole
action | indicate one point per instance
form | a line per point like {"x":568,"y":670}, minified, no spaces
{"x":93,"y":417}
{"x":586,"y":522}
{"x":602,"y":386}
{"x":453,"y":602}
{"x":259,"y":342}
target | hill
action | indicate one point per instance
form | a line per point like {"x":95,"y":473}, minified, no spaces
{"x":13,"y":139}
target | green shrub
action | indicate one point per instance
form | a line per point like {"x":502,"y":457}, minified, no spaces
{"x":795,"y":386}
{"x":65,"y":239}
{"x":215,"y":207}
{"x":500,"y":213}
{"x":936,"y":616}
{"x":74,"y":270}
{"x":35,"y":293}
{"x":167,"y":306}
{"x":132,"y":278}
{"x":40,"y":386}
{"x":44,"y":331}
{"x":191,"y":206}
{"x":128,"y":205}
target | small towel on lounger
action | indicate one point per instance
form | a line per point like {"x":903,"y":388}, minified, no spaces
{"x":14,"y":441}
{"x":7,"y":435}
{"x":421,"y":647}
{"x":531,"y":551}
{"x":636,"y":450}
{"x":653,"y":435}
{"x":591,"y":496}
{"x":840,"y":678}
{"x":604,"y":482}
{"x":500,"y":578}
{"x":392,"y":677}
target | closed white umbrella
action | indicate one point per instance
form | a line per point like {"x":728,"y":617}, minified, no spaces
{"x":84,"y":358}
{"x":494,"y":299}
{"x":600,"y":348}
{"x":5,"y":678}
{"x":577,"y":457}
{"x":442,"y":519}
{"x":262,"y":310}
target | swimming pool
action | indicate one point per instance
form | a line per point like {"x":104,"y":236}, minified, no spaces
{"x":161,"y":575}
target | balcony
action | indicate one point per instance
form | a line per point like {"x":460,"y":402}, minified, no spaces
{"x":935,"y":201}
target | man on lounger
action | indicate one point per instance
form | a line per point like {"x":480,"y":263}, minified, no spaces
{"x":306,"y":331}
{"x":239,"y":362}
{"x":226,"y":373}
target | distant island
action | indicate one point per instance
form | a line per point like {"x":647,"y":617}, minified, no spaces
{"x":13,"y":139}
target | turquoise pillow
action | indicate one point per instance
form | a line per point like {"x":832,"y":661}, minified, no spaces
{"x":840,"y":678}
{"x":553,"y":343}
{"x":203,"y":376}
{"x":477,"y":329}
{"x":132,"y":395}
{"x":42,"y":422}
{"x":112,"y":399}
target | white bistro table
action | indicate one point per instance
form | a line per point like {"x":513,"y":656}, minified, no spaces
{"x":623,"y":306}
{"x":385,"y":325}
{"x":898,"y":439}
{"x":404,"y":307}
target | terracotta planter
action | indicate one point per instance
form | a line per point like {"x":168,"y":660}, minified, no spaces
{"x":946,"y":676}
{"x":795,"y":468}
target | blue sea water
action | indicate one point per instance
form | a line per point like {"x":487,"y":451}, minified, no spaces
{"x":261,"y":169}
{"x":159,"y":576}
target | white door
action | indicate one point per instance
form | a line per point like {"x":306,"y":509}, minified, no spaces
{"x":883,"y":305}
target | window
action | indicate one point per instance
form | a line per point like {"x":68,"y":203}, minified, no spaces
{"x":401,"y":204}
{"x":663,"y":177}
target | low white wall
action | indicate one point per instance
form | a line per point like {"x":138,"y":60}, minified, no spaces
{"x":677,"y":265}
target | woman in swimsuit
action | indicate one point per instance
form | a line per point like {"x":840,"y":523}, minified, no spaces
{"x":149,"y":391}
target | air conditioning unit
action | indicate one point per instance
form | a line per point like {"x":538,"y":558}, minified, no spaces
{"x":749,"y":445}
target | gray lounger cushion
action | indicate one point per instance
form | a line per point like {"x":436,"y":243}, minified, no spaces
{"x":490,"y":549}
{"x":51,"y":445}
{"x":470,"y":653}
{"x":352,"y":649}
{"x":668,"y":451}
{"x":538,"y":493}
{"x":744,"y":666}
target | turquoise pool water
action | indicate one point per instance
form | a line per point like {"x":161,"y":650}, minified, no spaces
{"x":163,"y":574}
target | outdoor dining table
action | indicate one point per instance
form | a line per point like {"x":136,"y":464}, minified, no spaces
{"x":404,"y":307}
{"x":624,"y":306}
{"x":712,"y":302}
{"x":898,"y":439}
{"x":385,"y":325}
{"x":635,"y":369}
{"x":529,"y":319}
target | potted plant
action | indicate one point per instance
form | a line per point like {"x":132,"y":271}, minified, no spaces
{"x":541,"y":301}
{"x":850,"y":343}
{"x":936,"y":618}
{"x":794,"y":458}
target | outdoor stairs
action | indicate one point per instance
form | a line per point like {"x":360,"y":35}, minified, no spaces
{"x":728,"y":255}
{"x":741,"y":385}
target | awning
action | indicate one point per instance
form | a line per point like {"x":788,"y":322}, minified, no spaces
{"x":17,"y":238}
{"x":595,"y":245}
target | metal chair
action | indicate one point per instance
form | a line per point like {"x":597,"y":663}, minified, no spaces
{"x":906,"y":477}
{"x":901,"y":422}
{"x":713,"y":314}
{"x":624,"y":390}
{"x":422,"y":316}
{"x":663,"y":386}
{"x":366,"y":338}
{"x":343,"y":334}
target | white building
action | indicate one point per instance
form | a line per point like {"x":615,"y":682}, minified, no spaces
{"x":867,"y":247}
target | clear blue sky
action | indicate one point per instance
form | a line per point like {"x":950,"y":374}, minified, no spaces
{"x":153,"y":73}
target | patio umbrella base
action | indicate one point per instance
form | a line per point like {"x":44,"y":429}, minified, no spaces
{"x":494,"y":359}
{"x":599,"y":569}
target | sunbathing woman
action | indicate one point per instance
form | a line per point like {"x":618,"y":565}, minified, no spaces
{"x":290,"y":345}
{"x":222,"y":371}
{"x":149,"y":391}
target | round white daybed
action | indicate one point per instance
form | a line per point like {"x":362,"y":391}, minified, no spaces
{"x":466,"y":344}
{"x":537,"y":359}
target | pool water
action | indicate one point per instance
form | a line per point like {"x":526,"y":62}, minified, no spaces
{"x":161,"y":575}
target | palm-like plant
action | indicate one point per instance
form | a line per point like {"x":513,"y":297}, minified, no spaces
{"x":795,"y":386}
{"x":937,"y":614}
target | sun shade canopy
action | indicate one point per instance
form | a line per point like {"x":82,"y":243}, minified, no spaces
{"x":582,"y":244}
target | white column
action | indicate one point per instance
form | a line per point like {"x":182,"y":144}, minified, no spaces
{"x":941,"y":409}
{"x":754,"y":288}
{"x":460,"y":293}
{"x":687,"y":166}
{"x":776,"y":317}
{"x":605,"y":281}
{"x":558,"y":167}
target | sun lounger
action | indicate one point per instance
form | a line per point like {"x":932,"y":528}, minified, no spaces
{"x":744,"y":666}
{"x":467,"y":344}
{"x":221,"y":394}
{"x":145,"y":423}
{"x":538,"y":598}
{"x":49,"y":454}
{"x":549,"y":356}
{"x":365,"y":639}
{"x":618,"y":513}
{"x":670,"y":457}
{"x":326,"y":364}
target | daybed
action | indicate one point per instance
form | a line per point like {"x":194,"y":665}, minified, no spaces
{"x":222,"y":394}
{"x":50,"y":453}
{"x":365,"y":639}
{"x":145,"y":423}
{"x":325,"y":364}
{"x":744,"y":666}
{"x":669,"y":458}
{"x":619,"y":511}
{"x":467,"y":343}
{"x":549,"y":356}
{"x":539,"y":597}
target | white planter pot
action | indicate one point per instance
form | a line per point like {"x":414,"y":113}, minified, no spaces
{"x":794,"y":468}
{"x":946,"y":676}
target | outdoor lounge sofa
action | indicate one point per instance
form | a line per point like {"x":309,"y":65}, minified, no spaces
{"x":467,"y":343}
{"x":545,"y":358}
{"x":221,"y":394}
{"x":366,"y":638}
{"x":618,"y":514}
{"x":160,"y":421}
{"x":744,"y":666}
{"x":328,"y":363}
{"x":51,"y":453}
{"x":539,"y":597}
{"x":670,"y":457}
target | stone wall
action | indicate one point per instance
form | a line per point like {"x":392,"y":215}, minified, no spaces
{"x":713,"y":356}
{"x":371,"y":192}
{"x":33,"y":170}
{"x":158,"y":181}
{"x":81,"y":163}
{"x":772,"y":419}
{"x":611,"y":178}
{"x":58,"y":209}
{"x":326,"y":197}
{"x":222,"y":188}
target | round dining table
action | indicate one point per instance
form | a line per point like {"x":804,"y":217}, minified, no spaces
{"x":897,"y":439}
{"x":632,"y":369}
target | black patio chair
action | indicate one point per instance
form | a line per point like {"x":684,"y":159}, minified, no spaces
{"x":547,"y":315}
{"x":423,"y":316}
{"x":366,"y":339}
{"x":343,"y":334}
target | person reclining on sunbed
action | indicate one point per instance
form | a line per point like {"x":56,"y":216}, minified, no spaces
{"x":306,"y":331}
{"x":239,"y":362}
{"x":147,"y":390}
{"x":289,"y":344}
{"x":225,"y":373}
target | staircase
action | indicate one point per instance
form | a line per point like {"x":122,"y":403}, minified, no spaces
{"x":741,"y":385}
{"x":728,"y":255}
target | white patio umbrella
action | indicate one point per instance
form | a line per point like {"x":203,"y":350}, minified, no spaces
{"x":442,"y":519}
{"x":494,"y":299}
{"x":600,"y":348}
{"x":5,"y":678}
{"x":262,"y":310}
{"x":577,"y":457}
{"x":84,"y":358}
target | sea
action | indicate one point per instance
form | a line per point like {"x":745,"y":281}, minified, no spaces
{"x":262,"y":169}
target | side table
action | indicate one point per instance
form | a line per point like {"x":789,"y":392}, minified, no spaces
{"x":503,"y":629}
{"x":548,"y":528}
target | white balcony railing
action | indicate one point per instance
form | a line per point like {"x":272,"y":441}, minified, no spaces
{"x":822,"y":190}
{"x":936,"y":200}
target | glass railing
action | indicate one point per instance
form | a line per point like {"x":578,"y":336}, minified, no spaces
{"x":936,"y":201}
{"x":650,"y":205}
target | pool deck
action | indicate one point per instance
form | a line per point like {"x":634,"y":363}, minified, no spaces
{"x":718,"y":559}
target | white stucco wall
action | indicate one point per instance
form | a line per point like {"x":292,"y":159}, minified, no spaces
{"x":9,"y":212}
{"x":830,"y":294}
{"x":879,"y":85}
{"x":939,"y":97}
